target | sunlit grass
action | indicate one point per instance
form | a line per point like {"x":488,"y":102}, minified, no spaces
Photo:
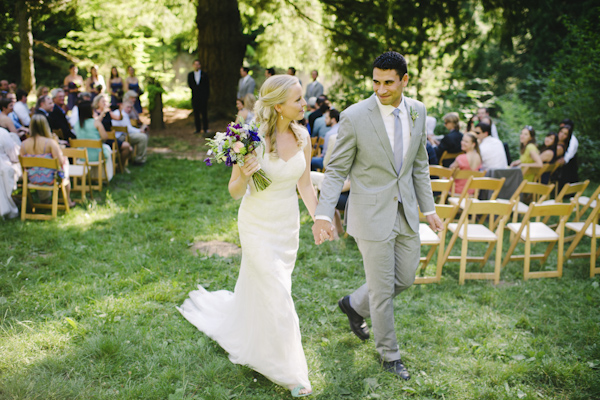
{"x":87,"y":310}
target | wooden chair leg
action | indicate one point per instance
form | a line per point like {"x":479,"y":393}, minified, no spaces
{"x":55,"y":201}
{"x":527,"y":260}
{"x":463,"y":261}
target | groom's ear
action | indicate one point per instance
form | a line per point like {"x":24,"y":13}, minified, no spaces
{"x":405,"y":80}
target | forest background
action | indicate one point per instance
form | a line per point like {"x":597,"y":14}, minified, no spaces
{"x":532,"y":62}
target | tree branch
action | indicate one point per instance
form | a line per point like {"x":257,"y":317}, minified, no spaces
{"x":69,"y":57}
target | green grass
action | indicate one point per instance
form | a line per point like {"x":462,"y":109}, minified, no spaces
{"x":87,"y":310}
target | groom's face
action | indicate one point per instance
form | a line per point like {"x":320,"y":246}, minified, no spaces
{"x":389,"y":86}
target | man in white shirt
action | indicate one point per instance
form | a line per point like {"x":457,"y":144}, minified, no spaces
{"x":492,"y":151}
{"x":482,"y":113}
{"x":573,"y":143}
{"x":137,"y":136}
{"x":20,"y":108}
{"x":314,"y":89}
{"x":246,"y":84}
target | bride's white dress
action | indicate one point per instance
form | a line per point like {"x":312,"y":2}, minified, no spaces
{"x":257,"y":324}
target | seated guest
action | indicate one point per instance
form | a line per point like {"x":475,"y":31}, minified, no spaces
{"x":74,"y":117}
{"x":483,"y":113}
{"x":90,"y":128}
{"x":530,"y":155}
{"x":21,"y":109}
{"x":311,"y":105}
{"x":471,"y":160}
{"x":571,"y":149}
{"x":4,"y":86}
{"x":331,"y":120}
{"x":451,"y":142}
{"x":246,"y":113}
{"x":269,"y":72}
{"x":6,"y":122}
{"x":491,"y":149}
{"x":94,"y":84}
{"x":41,"y":144}
{"x":431,"y":122}
{"x":74,"y":84}
{"x":132,"y":97}
{"x":44,"y":106}
{"x":10,"y":172}
{"x":137,"y":136}
{"x":322,"y":106}
{"x":568,"y":173}
{"x":320,"y":127}
{"x":42,"y":91}
{"x":133,"y":84}
{"x":103,"y":113}
{"x":116,"y":88}
{"x":58,"y":117}
{"x":548,"y":149}
{"x":13,"y":116}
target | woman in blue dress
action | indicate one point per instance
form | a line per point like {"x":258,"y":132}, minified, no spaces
{"x":73,"y":83}
{"x":134,"y":84}
{"x":116,"y":87}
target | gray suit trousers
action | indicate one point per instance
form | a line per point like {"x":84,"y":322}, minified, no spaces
{"x":390,"y":267}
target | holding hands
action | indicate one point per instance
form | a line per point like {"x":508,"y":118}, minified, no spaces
{"x":322,"y":230}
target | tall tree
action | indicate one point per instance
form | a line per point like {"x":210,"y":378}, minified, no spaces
{"x":221,"y":49}
{"x":23,"y":13}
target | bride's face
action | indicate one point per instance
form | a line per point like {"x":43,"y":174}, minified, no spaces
{"x":293,"y":108}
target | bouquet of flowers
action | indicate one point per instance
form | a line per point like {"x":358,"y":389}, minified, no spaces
{"x":232,"y":145}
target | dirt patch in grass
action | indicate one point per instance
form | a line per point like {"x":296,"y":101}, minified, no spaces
{"x":222,"y":249}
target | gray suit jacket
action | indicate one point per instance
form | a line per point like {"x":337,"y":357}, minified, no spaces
{"x":314,"y":89}
{"x":363,"y":151}
{"x":245,"y":87}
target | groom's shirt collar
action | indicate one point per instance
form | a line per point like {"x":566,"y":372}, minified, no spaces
{"x":389,"y":121}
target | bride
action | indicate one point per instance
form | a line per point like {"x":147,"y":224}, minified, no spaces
{"x":257,"y":324}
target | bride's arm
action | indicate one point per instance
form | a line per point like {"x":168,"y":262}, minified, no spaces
{"x":305,"y":186}
{"x":240,"y":176}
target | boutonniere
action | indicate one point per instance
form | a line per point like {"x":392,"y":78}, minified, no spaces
{"x":413,"y":115}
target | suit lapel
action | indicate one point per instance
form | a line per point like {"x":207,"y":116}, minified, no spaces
{"x":414,"y":138}
{"x":380,"y":132}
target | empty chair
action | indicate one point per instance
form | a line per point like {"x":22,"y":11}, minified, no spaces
{"x":591,"y":229}
{"x":441,"y":187}
{"x":80,"y":172}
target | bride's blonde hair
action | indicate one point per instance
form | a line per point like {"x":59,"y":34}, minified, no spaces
{"x":274,"y":91}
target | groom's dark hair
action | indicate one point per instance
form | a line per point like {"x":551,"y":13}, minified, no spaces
{"x":391,"y":60}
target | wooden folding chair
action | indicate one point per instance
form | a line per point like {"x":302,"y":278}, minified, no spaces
{"x":317,"y":146}
{"x":536,"y":171}
{"x":493,"y":185}
{"x":464,"y":174}
{"x":436,"y":241}
{"x":530,"y":232}
{"x":441,"y":186}
{"x":39,"y":162}
{"x":99,"y":165}
{"x":448,"y":156}
{"x":116,"y":152}
{"x":587,"y":202}
{"x":479,"y":233}
{"x":80,"y":172}
{"x":539,"y":190}
{"x":591,"y":229}
{"x":575,"y":189}
{"x":440,"y":172}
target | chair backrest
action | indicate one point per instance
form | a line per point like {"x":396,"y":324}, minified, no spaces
{"x":443,"y":187}
{"x":78,"y":153}
{"x":89,"y":143}
{"x":575,"y":189}
{"x":594,"y":197}
{"x":442,"y":172}
{"x":494,"y":185}
{"x":488,"y":207}
{"x":449,"y":156}
{"x":446,"y":212}
{"x":544,"y":210}
{"x":538,"y":189}
{"x":120,"y":129}
{"x":467,"y":173}
{"x":537,"y":172}
{"x":111,"y":135}
{"x":41,"y":162}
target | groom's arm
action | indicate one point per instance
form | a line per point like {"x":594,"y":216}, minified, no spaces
{"x":421,"y":180}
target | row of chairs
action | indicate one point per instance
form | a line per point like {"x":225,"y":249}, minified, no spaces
{"x":82,"y":171}
{"x":533,"y":228}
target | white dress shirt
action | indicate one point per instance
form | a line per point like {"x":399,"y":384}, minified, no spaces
{"x":493,"y":155}
{"x":124,"y":122}
{"x":572,"y":150}
{"x":389,"y":123}
{"x":22,"y":112}
{"x":197,"y":77}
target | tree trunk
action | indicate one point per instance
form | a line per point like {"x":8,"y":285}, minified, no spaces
{"x":221,"y":50}
{"x":26,"y":39}
{"x":156,"y":114}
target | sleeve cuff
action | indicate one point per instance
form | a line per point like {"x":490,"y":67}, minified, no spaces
{"x":324,"y":217}
{"x":428,"y":213}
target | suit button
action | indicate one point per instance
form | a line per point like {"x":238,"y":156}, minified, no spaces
{"x":396,"y":198}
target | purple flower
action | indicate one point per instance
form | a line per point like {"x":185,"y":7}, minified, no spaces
{"x":228,"y":162}
{"x":207,"y":161}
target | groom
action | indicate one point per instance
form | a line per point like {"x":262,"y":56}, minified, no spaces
{"x":381,"y":146}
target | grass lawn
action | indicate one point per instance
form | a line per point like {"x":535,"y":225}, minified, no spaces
{"x":87,"y":310}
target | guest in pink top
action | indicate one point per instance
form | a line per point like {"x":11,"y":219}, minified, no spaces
{"x":471,"y":160}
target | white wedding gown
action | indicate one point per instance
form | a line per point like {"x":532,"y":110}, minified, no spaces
{"x":257,"y":324}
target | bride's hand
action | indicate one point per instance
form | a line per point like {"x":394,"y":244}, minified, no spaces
{"x":250,"y":166}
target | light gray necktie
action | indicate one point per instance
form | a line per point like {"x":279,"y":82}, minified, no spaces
{"x":398,"y":145}
{"x":398,"y":140}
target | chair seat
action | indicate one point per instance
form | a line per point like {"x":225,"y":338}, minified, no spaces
{"x":427,"y":235}
{"x":475,"y":232}
{"x":76,"y":170}
{"x":454,"y":201}
{"x":540,"y":232}
{"x":548,"y":202}
{"x":521,"y":207}
{"x":583,"y":200}
{"x":578,"y":226}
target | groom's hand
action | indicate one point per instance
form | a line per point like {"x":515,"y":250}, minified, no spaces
{"x":435,"y":223}
{"x":322,"y":230}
